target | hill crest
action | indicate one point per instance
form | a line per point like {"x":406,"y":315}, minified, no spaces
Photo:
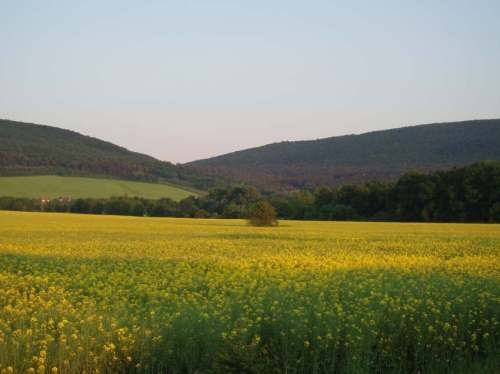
{"x":382,"y":154}
{"x":32,"y":149}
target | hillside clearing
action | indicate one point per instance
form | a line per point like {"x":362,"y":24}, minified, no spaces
{"x":78,"y":187}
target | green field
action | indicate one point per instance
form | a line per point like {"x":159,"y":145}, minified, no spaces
{"x":103,"y":294}
{"x":75,"y":187}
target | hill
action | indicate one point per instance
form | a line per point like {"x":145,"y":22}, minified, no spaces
{"x":52,"y":186}
{"x":381,"y":155}
{"x":30,"y":149}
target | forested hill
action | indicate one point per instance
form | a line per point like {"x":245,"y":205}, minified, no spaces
{"x":382,"y":155}
{"x":30,"y":149}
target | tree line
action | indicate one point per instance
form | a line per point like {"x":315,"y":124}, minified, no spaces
{"x":468,"y":194}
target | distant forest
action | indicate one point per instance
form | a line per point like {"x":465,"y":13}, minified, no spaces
{"x":380,"y":155}
{"x":30,"y":149}
{"x":468,"y":194}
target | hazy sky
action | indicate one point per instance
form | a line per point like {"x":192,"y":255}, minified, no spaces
{"x":183,"y":80}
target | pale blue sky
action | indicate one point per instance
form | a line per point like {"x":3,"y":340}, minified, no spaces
{"x":183,"y":80}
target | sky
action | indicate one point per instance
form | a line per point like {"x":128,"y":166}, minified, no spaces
{"x":185,"y":80}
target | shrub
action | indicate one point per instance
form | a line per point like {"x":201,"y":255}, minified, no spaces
{"x":262,"y":213}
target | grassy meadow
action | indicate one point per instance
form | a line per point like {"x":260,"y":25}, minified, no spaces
{"x":75,"y":187}
{"x":120,"y":294}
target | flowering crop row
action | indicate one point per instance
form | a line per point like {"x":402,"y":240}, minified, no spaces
{"x":119,"y":294}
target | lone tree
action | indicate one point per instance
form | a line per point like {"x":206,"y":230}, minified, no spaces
{"x":262,"y":214}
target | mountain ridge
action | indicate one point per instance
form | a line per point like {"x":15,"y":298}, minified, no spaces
{"x":380,"y":154}
{"x":33,"y":149}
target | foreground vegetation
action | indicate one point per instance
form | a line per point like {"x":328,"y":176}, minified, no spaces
{"x":52,"y":186}
{"x":122,"y":294}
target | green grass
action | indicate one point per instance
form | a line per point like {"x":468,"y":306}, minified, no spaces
{"x":75,"y":187}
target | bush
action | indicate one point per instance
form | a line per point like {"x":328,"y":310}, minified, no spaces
{"x":201,"y":213}
{"x":262,"y":213}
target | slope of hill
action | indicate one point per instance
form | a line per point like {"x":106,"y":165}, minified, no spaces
{"x":52,"y":186}
{"x":30,"y":149}
{"x":383,"y":155}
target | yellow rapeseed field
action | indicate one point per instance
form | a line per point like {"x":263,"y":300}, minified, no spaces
{"x":119,"y":294}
